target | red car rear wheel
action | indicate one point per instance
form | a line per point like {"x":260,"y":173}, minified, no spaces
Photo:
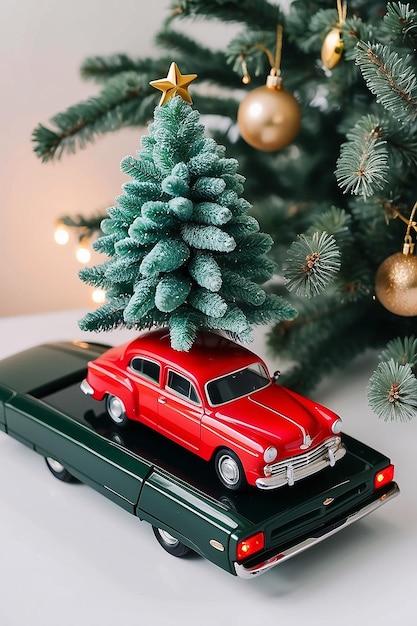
{"x":116,"y":410}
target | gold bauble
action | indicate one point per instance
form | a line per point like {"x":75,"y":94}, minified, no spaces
{"x":332,"y":49}
{"x":396,"y":284}
{"x":269,"y":118}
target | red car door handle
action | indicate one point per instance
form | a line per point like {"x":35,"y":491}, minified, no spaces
{"x":162,"y":400}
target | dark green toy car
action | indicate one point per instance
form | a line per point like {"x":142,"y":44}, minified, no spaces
{"x":156,"y":480}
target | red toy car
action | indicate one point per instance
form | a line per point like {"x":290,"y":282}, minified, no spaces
{"x":218,"y":401}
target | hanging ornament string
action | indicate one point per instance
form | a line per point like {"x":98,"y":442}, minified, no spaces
{"x":274,"y":62}
{"x":408,"y":247}
{"x":332,"y":48}
{"x":278,"y":50}
{"x":396,"y":278}
{"x":393,"y":212}
{"x":269,"y":117}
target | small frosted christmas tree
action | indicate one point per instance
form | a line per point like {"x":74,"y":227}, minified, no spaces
{"x":183,"y":252}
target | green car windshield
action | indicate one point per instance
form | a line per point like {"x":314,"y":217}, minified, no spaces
{"x":237,"y":384}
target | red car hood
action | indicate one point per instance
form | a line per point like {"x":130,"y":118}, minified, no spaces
{"x":279,"y":417}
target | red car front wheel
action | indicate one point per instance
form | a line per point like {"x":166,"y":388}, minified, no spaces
{"x":229,"y":470}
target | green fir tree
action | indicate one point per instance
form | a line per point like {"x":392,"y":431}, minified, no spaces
{"x":182,"y":251}
{"x":341,"y":183}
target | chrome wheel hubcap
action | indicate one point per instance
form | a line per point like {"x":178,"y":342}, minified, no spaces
{"x":116,"y":409}
{"x":169,"y":539}
{"x":229,"y":470}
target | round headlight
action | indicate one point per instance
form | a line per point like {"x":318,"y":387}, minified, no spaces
{"x":337,"y":426}
{"x":270,"y":454}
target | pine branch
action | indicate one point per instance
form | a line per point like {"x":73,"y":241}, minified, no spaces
{"x":251,"y":45}
{"x":312,"y":263}
{"x":400,"y":22}
{"x":317,"y":341}
{"x":85,"y":227}
{"x":208,"y":64}
{"x":379,"y":148}
{"x":122,"y":102}
{"x":336,"y":222}
{"x":392,"y":392}
{"x":402,"y":351}
{"x":296,"y":338}
{"x":102,"y":68}
{"x":391,"y":77}
{"x":362,"y":167}
{"x":106,"y":317}
{"x":354,"y":278}
{"x":272,"y":309}
{"x":259,"y":16}
{"x":376,"y":233}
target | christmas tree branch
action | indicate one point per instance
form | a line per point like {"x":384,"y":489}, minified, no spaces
{"x":392,"y":389}
{"x":208,"y":64}
{"x":362,"y":167}
{"x":85,"y":227}
{"x":121,"y":103}
{"x":328,"y":351}
{"x":312,"y":262}
{"x":391,"y":77}
{"x":259,"y":15}
{"x":400,"y":23}
{"x":255,"y":48}
{"x":354,"y":279}
{"x":377,"y":148}
{"x":100,"y":69}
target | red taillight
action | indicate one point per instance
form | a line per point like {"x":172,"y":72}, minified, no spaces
{"x":250,"y":545}
{"x":384,"y":476}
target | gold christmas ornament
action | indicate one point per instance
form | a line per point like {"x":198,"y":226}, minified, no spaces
{"x":269,"y":117}
{"x":396,"y":278}
{"x":332,"y":48}
{"x":396,"y":284}
{"x":175,"y":84}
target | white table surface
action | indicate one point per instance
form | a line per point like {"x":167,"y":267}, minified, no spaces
{"x":69,"y":557}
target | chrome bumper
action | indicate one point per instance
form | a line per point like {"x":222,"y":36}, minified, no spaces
{"x":289,"y":471}
{"x":251,"y":572}
{"x":86,"y":388}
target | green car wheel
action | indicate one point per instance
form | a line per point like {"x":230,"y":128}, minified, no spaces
{"x":169,"y":543}
{"x":59,"y":471}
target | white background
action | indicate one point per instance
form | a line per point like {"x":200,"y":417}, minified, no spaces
{"x":70,"y":557}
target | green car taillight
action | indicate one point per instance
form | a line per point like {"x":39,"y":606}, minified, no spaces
{"x":250,"y":545}
{"x":384,"y":477}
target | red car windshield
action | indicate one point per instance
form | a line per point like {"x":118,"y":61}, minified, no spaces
{"x":237,"y":384}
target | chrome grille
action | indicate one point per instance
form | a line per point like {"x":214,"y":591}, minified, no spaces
{"x":288,"y":471}
{"x":307,"y":457}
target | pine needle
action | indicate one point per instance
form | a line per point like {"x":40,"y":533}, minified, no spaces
{"x":392,"y":392}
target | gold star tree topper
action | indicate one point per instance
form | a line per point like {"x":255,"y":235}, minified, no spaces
{"x":174,"y":84}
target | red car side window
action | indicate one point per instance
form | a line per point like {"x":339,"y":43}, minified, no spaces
{"x":182,"y":386}
{"x":146,"y":368}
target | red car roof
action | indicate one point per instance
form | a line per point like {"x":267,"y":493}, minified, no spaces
{"x":210,"y":356}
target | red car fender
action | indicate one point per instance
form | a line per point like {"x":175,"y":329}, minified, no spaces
{"x":121,"y":386}
{"x":249,"y":448}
